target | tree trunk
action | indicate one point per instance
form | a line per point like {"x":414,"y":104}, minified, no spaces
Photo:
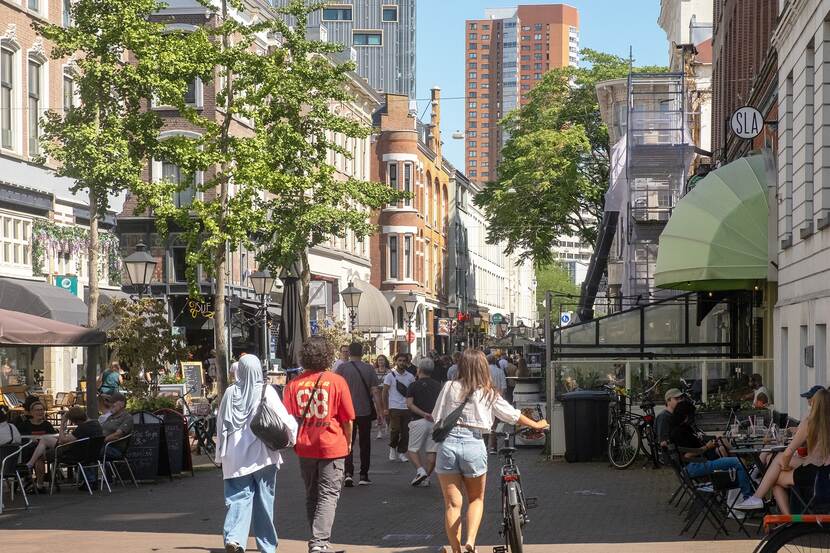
{"x":220,"y":340}
{"x":92,"y":258}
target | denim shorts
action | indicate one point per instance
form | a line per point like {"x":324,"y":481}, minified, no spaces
{"x":463,"y":452}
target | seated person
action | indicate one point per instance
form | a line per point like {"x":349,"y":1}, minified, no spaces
{"x":85,"y":428}
{"x":117,"y":425}
{"x":37,"y":425}
{"x":662,"y":423}
{"x":761,"y":401}
{"x":684,"y":435}
{"x":799,"y":471}
{"x":8,"y":432}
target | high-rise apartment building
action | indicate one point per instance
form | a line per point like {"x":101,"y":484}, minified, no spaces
{"x":382,"y":33}
{"x":507,"y":53}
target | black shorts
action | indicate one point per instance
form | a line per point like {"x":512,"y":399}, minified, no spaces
{"x":805,"y":476}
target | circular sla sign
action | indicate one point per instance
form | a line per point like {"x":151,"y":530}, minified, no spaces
{"x":747,"y":122}
{"x":65,"y":283}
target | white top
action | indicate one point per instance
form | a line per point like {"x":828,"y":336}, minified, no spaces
{"x":759,"y":391}
{"x":480,"y":412}
{"x":245,"y":453}
{"x":9,"y":434}
{"x":396,"y":400}
{"x":499,"y":378}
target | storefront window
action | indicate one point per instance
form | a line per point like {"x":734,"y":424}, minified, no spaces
{"x":15,"y":368}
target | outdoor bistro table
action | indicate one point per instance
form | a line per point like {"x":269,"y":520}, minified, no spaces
{"x":753,"y":449}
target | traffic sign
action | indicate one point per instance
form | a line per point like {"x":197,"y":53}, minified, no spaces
{"x":566,"y":318}
{"x":410,"y":336}
{"x":746,"y":122}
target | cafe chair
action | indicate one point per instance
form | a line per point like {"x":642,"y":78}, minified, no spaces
{"x":85,"y":453}
{"x":819,"y":499}
{"x":113,"y":464}
{"x":723,"y":481}
{"x":700,"y":505}
{"x":11,"y":459}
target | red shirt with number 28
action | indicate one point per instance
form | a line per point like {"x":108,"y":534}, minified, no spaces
{"x":320,"y":435}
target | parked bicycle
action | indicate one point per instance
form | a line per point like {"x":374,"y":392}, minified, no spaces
{"x":630,"y":433}
{"x":514,"y":504}
{"x":796,"y":533}
{"x":202,"y":425}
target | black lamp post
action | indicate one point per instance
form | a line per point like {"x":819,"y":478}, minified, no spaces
{"x":410,"y":303}
{"x":477,"y":325}
{"x":351,"y":297}
{"x":262,"y":282}
{"x":139,"y":267}
{"x":452,"y":311}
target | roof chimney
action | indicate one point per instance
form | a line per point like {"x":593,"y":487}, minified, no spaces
{"x":435,"y":121}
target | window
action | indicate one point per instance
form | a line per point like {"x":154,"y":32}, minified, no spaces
{"x":537,"y":76}
{"x":472,"y":65}
{"x":538,"y":56}
{"x":473,"y":36}
{"x":473,"y":173}
{"x":525,"y":37}
{"x":472,"y":46}
{"x":537,"y":36}
{"x":525,"y":47}
{"x":485,"y":85}
{"x":537,"y":27}
{"x":526,"y":57}
{"x":473,"y":55}
{"x":392,"y":173}
{"x":537,"y":46}
{"x":407,"y":257}
{"x":472,"y":94}
{"x":367,"y":38}
{"x":471,"y":134}
{"x":472,"y":114}
{"x":472,"y":143}
{"x":526,"y":67}
{"x":473,"y":153}
{"x":485,"y":66}
{"x":485,"y":27}
{"x":6,"y":97}
{"x":34,"y":106}
{"x":190,"y":93}
{"x":525,"y":87}
{"x":186,"y":191}
{"x":337,"y":13}
{"x":485,"y":37}
{"x":68,"y":93}
{"x":471,"y":84}
{"x":473,"y":26}
{"x":537,"y":66}
{"x":472,"y":105}
{"x":407,"y":182}
{"x":179,"y":264}
{"x":390,"y":14}
{"x":67,"y":13}
{"x":393,"y":257}
{"x":34,"y":5}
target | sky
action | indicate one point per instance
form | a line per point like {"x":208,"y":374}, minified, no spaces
{"x":606,"y":25}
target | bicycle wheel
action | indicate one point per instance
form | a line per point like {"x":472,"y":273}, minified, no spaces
{"x":798,"y":538}
{"x":207,"y":441}
{"x":623,"y":444}
{"x":650,"y":447}
{"x":514,"y":530}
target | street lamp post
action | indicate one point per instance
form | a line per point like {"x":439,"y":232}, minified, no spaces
{"x":351,"y":297}
{"x":262,"y":282}
{"x":452,"y":311}
{"x":139,"y":267}
{"x":477,"y":325}
{"x":410,"y":303}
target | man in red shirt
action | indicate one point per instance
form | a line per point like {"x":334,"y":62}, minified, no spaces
{"x":322,"y":403}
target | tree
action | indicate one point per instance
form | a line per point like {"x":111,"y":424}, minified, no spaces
{"x":141,"y":336}
{"x":286,"y":196}
{"x":556,"y":278}
{"x":555,"y":165}
{"x":103,"y":142}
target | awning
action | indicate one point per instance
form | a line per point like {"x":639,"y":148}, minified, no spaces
{"x":373,"y":312}
{"x":42,"y":300}
{"x":22,"y":329}
{"x":716,"y":238}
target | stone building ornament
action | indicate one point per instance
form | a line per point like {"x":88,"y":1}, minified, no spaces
{"x":37,"y":48}
{"x":11,"y":32}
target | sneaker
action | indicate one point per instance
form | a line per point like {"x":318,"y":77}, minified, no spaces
{"x":379,"y":435}
{"x":425,"y":483}
{"x":364,"y":481}
{"x":751,"y":503}
{"x":420,"y":476}
{"x":231,"y":547}
{"x":403,"y":458}
{"x":393,"y":454}
{"x":348,"y":481}
{"x":736,"y":515}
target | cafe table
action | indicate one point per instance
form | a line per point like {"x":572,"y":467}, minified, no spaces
{"x":753,"y":450}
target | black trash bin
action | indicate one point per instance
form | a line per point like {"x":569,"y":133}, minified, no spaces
{"x":586,"y":425}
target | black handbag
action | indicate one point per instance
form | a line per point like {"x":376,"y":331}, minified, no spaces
{"x":268,"y":426}
{"x":373,"y":414}
{"x":443,"y":427}
{"x":402,"y":389}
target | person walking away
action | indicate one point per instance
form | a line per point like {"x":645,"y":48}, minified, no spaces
{"x":499,"y":380}
{"x":452,"y":372}
{"x":420,"y":399}
{"x":110,"y":380}
{"x":249,"y":467}
{"x":511,"y":372}
{"x":395,"y":386}
{"x":344,"y":356}
{"x":461,"y":461}
{"x":364,"y":388}
{"x":786,"y":471}
{"x":321,"y":400}
{"x":381,"y":369}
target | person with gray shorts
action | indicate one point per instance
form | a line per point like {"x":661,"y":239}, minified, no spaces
{"x":420,"y":399}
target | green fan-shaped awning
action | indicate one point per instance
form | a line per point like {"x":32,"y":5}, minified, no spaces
{"x":716,"y":238}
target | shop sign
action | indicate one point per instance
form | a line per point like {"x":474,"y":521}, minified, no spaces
{"x":746,"y":122}
{"x":497,"y":318}
{"x":443,"y":327}
{"x":68,"y":283}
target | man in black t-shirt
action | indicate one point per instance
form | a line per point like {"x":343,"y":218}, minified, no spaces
{"x":420,"y":399}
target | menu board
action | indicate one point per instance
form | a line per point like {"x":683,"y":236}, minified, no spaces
{"x":143,"y":452}
{"x":192,"y":371}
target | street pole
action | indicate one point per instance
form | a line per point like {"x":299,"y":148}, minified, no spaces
{"x":548,"y":336}
{"x":408,"y":332}
{"x":265,"y":331}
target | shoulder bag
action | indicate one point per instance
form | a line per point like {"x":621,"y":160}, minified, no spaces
{"x":268,"y":426}
{"x":402,"y":388}
{"x":308,"y":405}
{"x":373,"y":414}
{"x":443,"y":427}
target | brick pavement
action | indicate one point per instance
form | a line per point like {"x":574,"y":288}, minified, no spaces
{"x":583,"y":508}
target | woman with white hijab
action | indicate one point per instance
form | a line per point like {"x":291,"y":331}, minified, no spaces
{"x":249,"y":468}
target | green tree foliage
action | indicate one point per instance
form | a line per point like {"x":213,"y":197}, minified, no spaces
{"x":270,"y":188}
{"x":119,"y":58}
{"x":556,"y":278}
{"x":555,"y":165}
{"x":141,"y":336}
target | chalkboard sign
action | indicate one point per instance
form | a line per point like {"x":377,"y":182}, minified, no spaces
{"x":192,"y":371}
{"x":173,"y":439}
{"x":143,"y":452}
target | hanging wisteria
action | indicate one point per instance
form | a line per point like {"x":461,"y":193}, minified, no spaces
{"x":50,"y":239}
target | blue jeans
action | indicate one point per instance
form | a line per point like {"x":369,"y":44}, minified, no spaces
{"x":249,"y":496}
{"x":696,"y":470}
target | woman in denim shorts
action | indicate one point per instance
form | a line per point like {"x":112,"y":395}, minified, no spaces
{"x":461,"y":461}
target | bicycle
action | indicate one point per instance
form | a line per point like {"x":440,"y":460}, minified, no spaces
{"x":203,"y":427}
{"x":631,"y":433}
{"x":796,"y":533}
{"x":514,"y":504}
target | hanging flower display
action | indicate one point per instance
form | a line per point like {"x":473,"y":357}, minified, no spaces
{"x":51,"y":239}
